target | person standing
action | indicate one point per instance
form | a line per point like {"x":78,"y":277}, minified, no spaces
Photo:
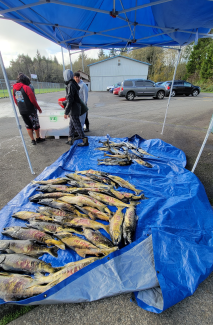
{"x":28,"y":106}
{"x":83,"y":94}
{"x":73,"y":109}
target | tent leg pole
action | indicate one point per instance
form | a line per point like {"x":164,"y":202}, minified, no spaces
{"x":179,"y":51}
{"x":70,"y":60}
{"x":14,"y":109}
{"x":203,"y":145}
{"x":83,"y":61}
{"x":62,"y":53}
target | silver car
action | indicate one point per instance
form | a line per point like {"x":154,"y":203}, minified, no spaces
{"x":131,"y":88}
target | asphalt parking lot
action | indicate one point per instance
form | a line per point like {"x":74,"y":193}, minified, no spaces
{"x":186,"y":125}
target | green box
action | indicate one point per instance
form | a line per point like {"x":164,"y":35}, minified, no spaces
{"x":53,"y":119}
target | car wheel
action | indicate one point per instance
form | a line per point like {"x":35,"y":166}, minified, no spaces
{"x":160,"y":94}
{"x":173,"y":93}
{"x":130,"y":95}
{"x":195,"y":92}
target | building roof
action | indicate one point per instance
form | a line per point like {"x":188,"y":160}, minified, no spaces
{"x":119,"y":56}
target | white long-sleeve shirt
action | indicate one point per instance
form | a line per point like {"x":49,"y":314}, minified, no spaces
{"x":83,"y":92}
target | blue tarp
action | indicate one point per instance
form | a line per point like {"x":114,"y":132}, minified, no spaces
{"x":79,"y":25}
{"x":172,"y":250}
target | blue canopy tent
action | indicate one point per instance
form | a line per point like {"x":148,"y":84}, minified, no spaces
{"x":179,"y":217}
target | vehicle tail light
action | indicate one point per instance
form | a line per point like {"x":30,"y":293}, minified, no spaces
{"x":121,"y":89}
{"x":168,"y":87}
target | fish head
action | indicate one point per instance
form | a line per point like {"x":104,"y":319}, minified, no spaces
{"x":4,"y":244}
{"x":45,"y":188}
{"x":45,"y":201}
{"x":2,"y":258}
{"x":116,"y":237}
{"x":10,"y":231}
{"x":35,"y":198}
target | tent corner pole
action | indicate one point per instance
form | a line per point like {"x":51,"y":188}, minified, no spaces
{"x":170,"y":94}
{"x":62,"y":53}
{"x":83,"y":60}
{"x":203,"y":145}
{"x":15,"y":113}
{"x":70,"y":60}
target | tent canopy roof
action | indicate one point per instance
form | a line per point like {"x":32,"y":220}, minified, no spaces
{"x":113,"y":23}
{"x":119,"y":56}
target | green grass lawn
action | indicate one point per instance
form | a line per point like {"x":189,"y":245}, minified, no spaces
{"x":4,"y":93}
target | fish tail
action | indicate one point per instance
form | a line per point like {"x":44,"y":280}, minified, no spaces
{"x":57,"y":243}
{"x":53,"y":251}
{"x":80,"y":252}
{"x":108,"y":251}
{"x":106,"y":228}
{"x":34,"y":182}
{"x":108,"y":211}
{"x":138,"y":191}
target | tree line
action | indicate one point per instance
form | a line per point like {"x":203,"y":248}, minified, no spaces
{"x":195,"y":65}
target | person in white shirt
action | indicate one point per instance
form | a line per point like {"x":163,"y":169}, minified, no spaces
{"x":83,"y":94}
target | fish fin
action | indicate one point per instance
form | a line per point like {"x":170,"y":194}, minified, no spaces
{"x":53,"y":251}
{"x":57,"y":243}
{"x":134,"y":203}
{"x":80,"y":252}
{"x":138,"y":191}
{"x":106,"y":228}
{"x":91,"y":216}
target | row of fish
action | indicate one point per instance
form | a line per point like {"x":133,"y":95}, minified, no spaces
{"x":67,"y":211}
{"x":122,"y":154}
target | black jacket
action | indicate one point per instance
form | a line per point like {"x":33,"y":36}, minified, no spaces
{"x":73,"y":106}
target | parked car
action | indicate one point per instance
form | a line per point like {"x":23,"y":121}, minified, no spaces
{"x":159,"y":83}
{"x":114,"y":86}
{"x":181,"y":87}
{"x":116,"y":90}
{"x":130,"y":88}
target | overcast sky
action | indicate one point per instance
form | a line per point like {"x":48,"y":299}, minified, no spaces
{"x":15,"y":39}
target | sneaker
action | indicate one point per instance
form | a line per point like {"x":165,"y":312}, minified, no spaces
{"x":86,"y":130}
{"x":33,"y":142}
{"x":40,"y":140}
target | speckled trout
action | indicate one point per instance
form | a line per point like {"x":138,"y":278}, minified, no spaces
{"x":129,"y":225}
{"x":115,"y":227}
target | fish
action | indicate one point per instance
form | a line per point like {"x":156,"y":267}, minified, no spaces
{"x":54,"y":195}
{"x":102,"y":207}
{"x":96,"y":185}
{"x":78,"y":178}
{"x":50,"y":227}
{"x":58,"y":204}
{"x":116,"y":156}
{"x":120,"y":181}
{"x":84,"y":200}
{"x":54,"y":188}
{"x":68,"y":270}
{"x":87,"y":223}
{"x":83,"y":247}
{"x":126,"y":196}
{"x":61,"y":180}
{"x":119,"y":195}
{"x":14,"y":287}
{"x":56,"y":212}
{"x":129,"y":145}
{"x":32,"y":234}
{"x":96,"y":238}
{"x":64,"y":221}
{"x":129,"y":225}
{"x":42,"y":218}
{"x":24,"y":263}
{"x":27,"y":247}
{"x":102,"y":179}
{"x":95,"y":213}
{"x":116,"y":226}
{"x":25,"y":215}
{"x":142,"y":162}
{"x":143,"y":152}
{"x":136,"y":154}
{"x":109,"y":199}
{"x":103,"y":148}
{"x":93,"y":172}
{"x":116,"y":162}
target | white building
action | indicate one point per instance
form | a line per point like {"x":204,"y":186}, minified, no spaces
{"x":113,"y":70}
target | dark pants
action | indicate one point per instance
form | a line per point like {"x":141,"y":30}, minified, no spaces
{"x":75,"y":126}
{"x":87,"y":121}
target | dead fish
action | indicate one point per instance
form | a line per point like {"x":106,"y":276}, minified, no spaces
{"x":68,"y":270}
{"x":109,"y":199}
{"x":32,"y":234}
{"x":121,"y":156}
{"x":27,"y":247}
{"x":129,"y":145}
{"x":102,"y":179}
{"x":64,"y":221}
{"x":103,"y":148}
{"x":56,"y":212}
{"x":25,"y":215}
{"x":87,"y":223}
{"x":54,"y":195}
{"x":95,"y":213}
{"x":116,"y":162}
{"x":24,"y":263}
{"x":115,"y":226}
{"x":42,"y":218}
{"x":61,"y":180}
{"x":129,"y":225}
{"x":83,"y":247}
{"x":78,"y":178}
{"x":14,"y":287}
{"x":120,"y":181}
{"x":142,"y":162}
{"x":58,"y":204}
{"x":95,"y":185}
{"x":144,"y":152}
{"x":99,"y":205}
{"x":83,"y":200}
{"x":96,"y":238}
{"x":54,"y":188}
{"x":50,"y":227}
{"x":91,"y":171}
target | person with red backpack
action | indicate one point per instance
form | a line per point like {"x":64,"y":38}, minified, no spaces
{"x":28,"y":106}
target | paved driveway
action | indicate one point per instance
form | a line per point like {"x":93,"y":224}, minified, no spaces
{"x":187,"y":122}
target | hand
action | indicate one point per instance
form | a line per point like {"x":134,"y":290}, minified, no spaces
{"x":40,"y":111}
{"x":65,"y":116}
